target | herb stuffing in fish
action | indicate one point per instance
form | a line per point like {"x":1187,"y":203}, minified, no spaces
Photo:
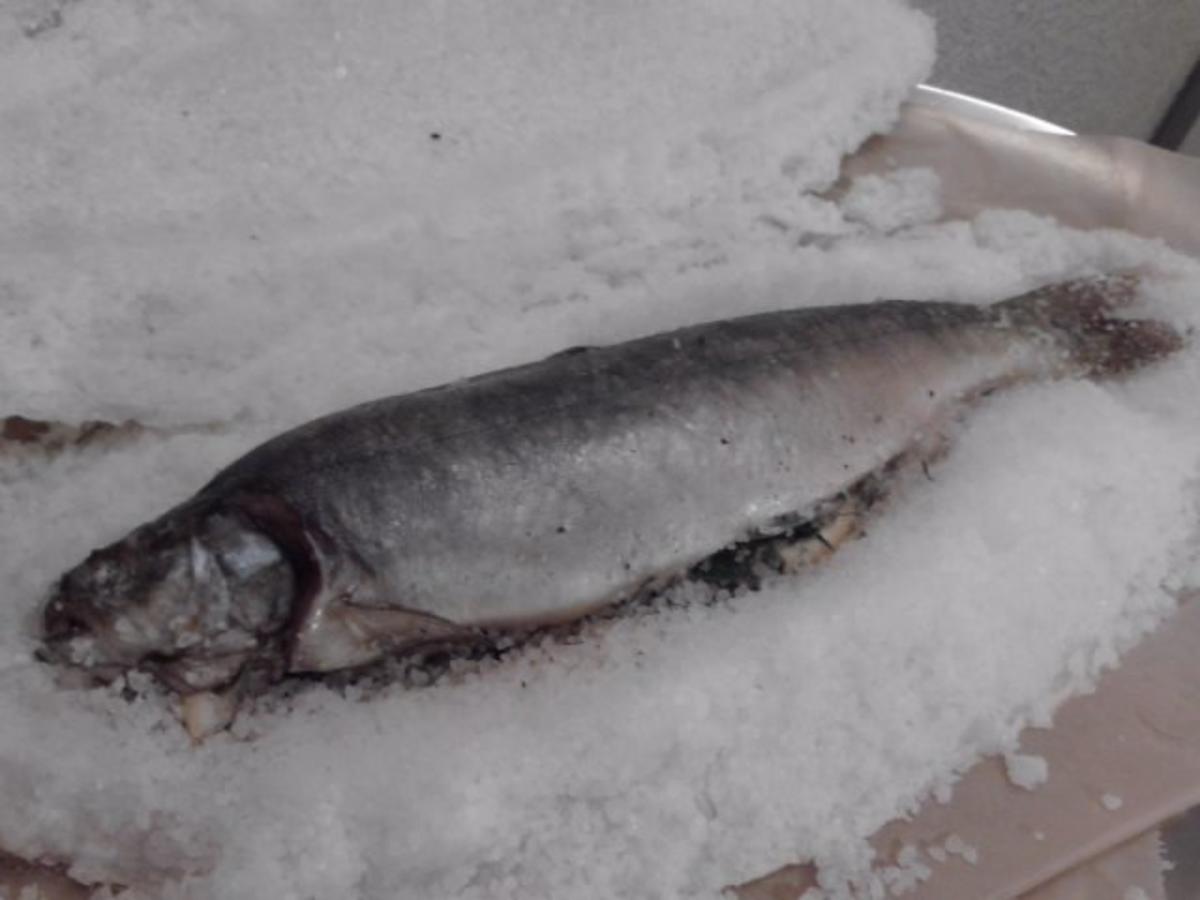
{"x":544,"y":492}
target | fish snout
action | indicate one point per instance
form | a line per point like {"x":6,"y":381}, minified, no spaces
{"x":63,"y":621}
{"x":68,"y":631}
{"x":73,"y":668}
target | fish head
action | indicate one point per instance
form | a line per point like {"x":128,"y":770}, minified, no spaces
{"x":190,"y":597}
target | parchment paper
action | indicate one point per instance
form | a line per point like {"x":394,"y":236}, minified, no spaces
{"x":1084,"y":182}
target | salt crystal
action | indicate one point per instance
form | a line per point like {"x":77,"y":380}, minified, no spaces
{"x":956,"y":846}
{"x":1112,"y":802}
{"x":1026,"y":771}
{"x":894,"y":200}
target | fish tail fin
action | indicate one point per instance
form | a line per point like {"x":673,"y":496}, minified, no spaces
{"x":1077,"y":315}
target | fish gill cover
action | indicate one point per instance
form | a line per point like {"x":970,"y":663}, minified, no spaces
{"x":238,"y":217}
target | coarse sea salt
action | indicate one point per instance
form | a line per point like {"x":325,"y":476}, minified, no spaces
{"x":250,"y":224}
{"x":907,"y":873}
{"x":954,"y":845}
{"x":1026,"y":771}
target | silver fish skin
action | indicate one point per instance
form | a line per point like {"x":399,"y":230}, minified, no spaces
{"x":541,"y":492}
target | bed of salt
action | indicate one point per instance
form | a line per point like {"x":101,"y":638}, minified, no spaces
{"x":223,"y":220}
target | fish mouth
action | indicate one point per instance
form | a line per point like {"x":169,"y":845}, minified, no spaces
{"x":75,"y":636}
{"x":182,"y":674}
{"x":64,"y":621}
{"x":208,"y":688}
{"x":66,"y":656}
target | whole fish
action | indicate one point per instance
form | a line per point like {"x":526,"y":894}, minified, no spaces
{"x":542,"y":492}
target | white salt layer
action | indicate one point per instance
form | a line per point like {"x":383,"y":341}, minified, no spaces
{"x":193,"y":201}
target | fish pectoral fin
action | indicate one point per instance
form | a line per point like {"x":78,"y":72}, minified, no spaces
{"x":401,"y":628}
{"x":348,"y":635}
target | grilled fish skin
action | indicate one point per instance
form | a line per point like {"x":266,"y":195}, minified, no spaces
{"x":542,"y":492}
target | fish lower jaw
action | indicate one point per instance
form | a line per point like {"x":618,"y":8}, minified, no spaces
{"x":86,"y":656}
{"x":188,"y":674}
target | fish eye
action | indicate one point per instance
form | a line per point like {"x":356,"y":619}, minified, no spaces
{"x":243,"y":554}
